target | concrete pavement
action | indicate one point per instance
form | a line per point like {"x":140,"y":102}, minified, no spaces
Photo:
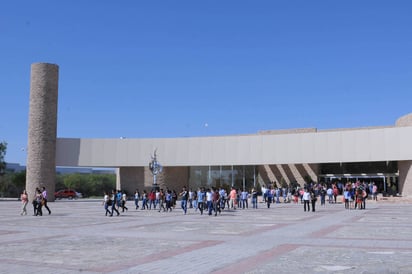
{"x":77,"y":237}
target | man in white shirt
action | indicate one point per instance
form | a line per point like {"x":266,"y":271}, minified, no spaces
{"x":306,"y":200}
{"x":209,"y":201}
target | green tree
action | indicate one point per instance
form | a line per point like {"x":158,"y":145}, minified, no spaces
{"x":73,"y":181}
{"x":3,"y":149}
{"x":19,"y":180}
{"x":87,"y":184}
{"x":60,"y":182}
{"x":12,"y":184}
{"x":98,"y":183}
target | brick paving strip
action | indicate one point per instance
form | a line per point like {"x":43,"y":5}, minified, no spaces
{"x":251,"y":262}
{"x":161,"y":255}
{"x":77,"y":237}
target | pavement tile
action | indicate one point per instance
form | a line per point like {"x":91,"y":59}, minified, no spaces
{"x":78,"y":238}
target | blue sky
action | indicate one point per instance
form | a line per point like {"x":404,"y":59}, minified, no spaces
{"x":148,"y":69}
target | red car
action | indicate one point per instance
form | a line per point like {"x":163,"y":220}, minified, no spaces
{"x":66,"y":193}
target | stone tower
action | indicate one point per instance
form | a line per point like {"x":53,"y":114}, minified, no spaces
{"x":41,"y":148}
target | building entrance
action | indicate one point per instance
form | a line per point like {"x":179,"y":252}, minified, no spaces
{"x":386,"y":183}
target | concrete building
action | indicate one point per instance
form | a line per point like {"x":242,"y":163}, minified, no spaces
{"x":14,"y":167}
{"x":379,"y":154}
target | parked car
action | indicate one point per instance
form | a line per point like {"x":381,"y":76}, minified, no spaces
{"x":67,"y":193}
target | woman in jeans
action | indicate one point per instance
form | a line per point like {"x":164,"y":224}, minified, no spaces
{"x":254,"y":198}
{"x":24,"y":201}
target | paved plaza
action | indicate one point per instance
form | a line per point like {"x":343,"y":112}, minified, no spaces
{"x":78,"y":237}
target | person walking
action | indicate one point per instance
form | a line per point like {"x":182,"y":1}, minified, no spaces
{"x":216,"y":201}
{"x":306,"y":200}
{"x":269,"y":196}
{"x":335,"y":193}
{"x":322,"y":194}
{"x":194,"y":201}
{"x":277,"y":194}
{"x":144,"y":200}
{"x":136,"y":198}
{"x":119,"y":199}
{"x":329,"y":192}
{"x":35,"y":202}
{"x":364,"y":198}
{"x":223,"y":198}
{"x":162,"y":200}
{"x":209,"y":201}
{"x":185,"y":195}
{"x":232,"y":198}
{"x":244,"y":196}
{"x":174,"y":198}
{"x":152,"y":199}
{"x":254,"y":198}
{"x":375,"y":192}
{"x":359,"y":198}
{"x":201,"y":200}
{"x":107,"y":202}
{"x":346,"y":196}
{"x":169,"y":200}
{"x":157,"y":198}
{"x":39,"y":202}
{"x":191,"y":194}
{"x":44,"y":193}
{"x":114,"y":203}
{"x":313,"y":199}
{"x":24,"y":201}
{"x":123,"y":202}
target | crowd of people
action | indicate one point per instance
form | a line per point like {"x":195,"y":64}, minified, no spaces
{"x":354,"y":194}
{"x":214,"y":200}
{"x":39,"y":201}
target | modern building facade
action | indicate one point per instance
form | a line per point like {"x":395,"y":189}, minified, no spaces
{"x":379,"y":154}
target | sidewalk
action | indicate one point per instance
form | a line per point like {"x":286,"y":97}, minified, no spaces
{"x":77,"y":237}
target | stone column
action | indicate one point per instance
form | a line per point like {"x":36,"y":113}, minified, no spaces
{"x":405,"y":178}
{"x":41,"y":148}
{"x":405,"y":167}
